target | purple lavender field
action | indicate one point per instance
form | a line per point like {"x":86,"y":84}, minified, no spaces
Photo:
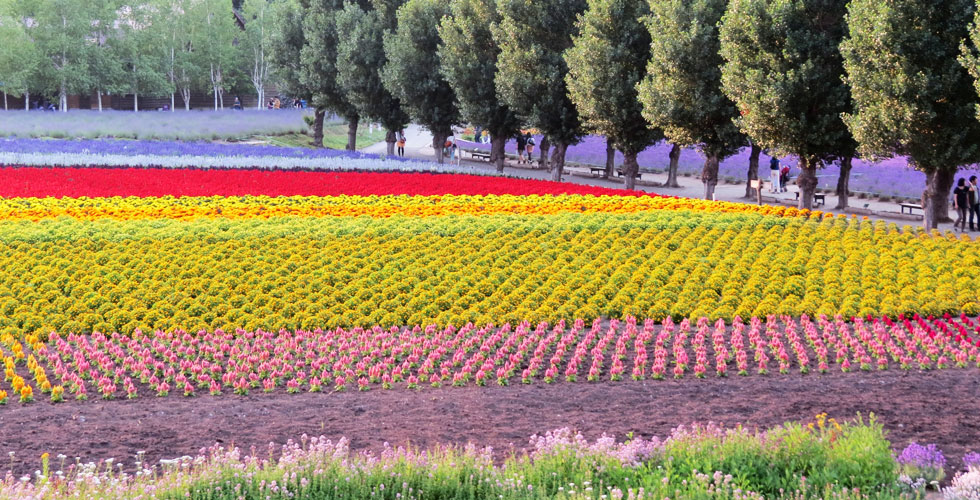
{"x":168,"y":148}
{"x":892,"y":177}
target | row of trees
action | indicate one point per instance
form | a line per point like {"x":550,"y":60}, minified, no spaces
{"x":822,"y":80}
{"x":138,"y":47}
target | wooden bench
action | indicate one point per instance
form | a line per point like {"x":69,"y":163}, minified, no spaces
{"x":483,"y":155}
{"x":597,"y":171}
{"x":818,"y":199}
{"x":910,"y":206}
{"x":620,"y":173}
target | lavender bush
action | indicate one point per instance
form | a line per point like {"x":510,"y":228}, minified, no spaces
{"x":926,"y":462}
{"x":177,"y":125}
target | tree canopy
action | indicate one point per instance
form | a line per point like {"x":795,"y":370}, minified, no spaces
{"x":412,"y":70}
{"x":469,"y":63}
{"x":533,"y":36}
{"x":607,"y":60}
{"x":911,"y":95}
{"x":682,"y":93}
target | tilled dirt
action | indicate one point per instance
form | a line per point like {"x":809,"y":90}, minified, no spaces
{"x":940,"y":407}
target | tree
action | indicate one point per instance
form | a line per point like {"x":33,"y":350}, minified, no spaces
{"x":107,"y":73}
{"x":319,"y":57}
{"x":286,"y":42}
{"x":59,"y":29}
{"x":360,"y":55}
{"x":533,"y":36}
{"x":682,"y":91}
{"x":258,"y":31}
{"x":142,"y":36}
{"x":911,"y":95}
{"x":606,"y":61}
{"x":179,"y":47}
{"x":215,"y":51}
{"x":412,"y":71}
{"x":469,"y":63}
{"x":18,"y":59}
{"x":784,"y":71}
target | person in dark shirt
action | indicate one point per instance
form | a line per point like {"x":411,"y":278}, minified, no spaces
{"x":961,"y":202}
{"x":521,"y":145}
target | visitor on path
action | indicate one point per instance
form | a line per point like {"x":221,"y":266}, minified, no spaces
{"x":238,"y":104}
{"x":961,"y":201}
{"x":974,"y":202}
{"x":401,"y":142}
{"x":521,"y":146}
{"x":784,"y":178}
{"x":530,"y":147}
{"x":276,"y":103}
{"x":485,"y":136}
{"x":774,"y":175}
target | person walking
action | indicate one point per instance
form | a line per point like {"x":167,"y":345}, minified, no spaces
{"x":774,"y":175}
{"x":961,"y":202}
{"x":521,"y":146}
{"x":974,"y":202}
{"x":530,"y":147}
{"x":401,"y":142}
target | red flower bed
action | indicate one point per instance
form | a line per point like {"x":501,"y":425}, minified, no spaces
{"x":105,"y":182}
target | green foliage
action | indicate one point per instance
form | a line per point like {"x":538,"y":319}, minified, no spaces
{"x":682,"y":91}
{"x":18,"y":56}
{"x":141,"y":34}
{"x":259,"y":16}
{"x":412,"y":70}
{"x":605,"y":63}
{"x":58,"y":29}
{"x":468,"y":55}
{"x":533,"y":36}
{"x":319,"y":58}
{"x":286,"y":43}
{"x":360,"y":55}
{"x":784,"y":71}
{"x":215,"y":53}
{"x":912,"y":97}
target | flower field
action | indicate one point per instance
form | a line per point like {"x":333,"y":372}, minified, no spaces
{"x":160,"y":363}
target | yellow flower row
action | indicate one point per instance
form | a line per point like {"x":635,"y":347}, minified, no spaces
{"x":301,"y":272}
{"x":191,"y":208}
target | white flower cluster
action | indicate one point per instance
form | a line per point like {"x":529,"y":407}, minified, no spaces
{"x":340,"y":163}
{"x":966,"y":486}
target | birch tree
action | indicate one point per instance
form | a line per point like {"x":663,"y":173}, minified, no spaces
{"x":258,"y":32}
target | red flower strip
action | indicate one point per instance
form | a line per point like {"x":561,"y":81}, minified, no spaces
{"x":106,"y":182}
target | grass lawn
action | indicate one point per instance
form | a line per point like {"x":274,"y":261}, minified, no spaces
{"x":334,"y":136}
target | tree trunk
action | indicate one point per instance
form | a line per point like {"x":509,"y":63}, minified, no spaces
{"x":675,"y":158}
{"x":173,"y":102}
{"x":558,"y":161}
{"x":390,"y":140}
{"x":610,"y":160}
{"x":5,"y":101}
{"x":753,"y":170}
{"x":807,"y":182}
{"x":935,"y":198}
{"x":318,"y":127}
{"x":136,"y":102}
{"x":439,"y":142}
{"x":844,"y":182}
{"x":497,"y":153}
{"x":543,"y":160}
{"x":27,"y":101}
{"x":98,"y":95}
{"x":63,"y":97}
{"x":630,"y":169}
{"x":352,"y":134}
{"x":709,"y":176}
{"x":215,"y":90}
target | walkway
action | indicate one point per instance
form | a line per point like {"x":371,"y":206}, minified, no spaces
{"x":419,"y":146}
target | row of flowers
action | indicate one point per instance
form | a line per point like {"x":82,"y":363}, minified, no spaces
{"x":377,"y":178}
{"x":303,"y":273}
{"x":189,"y":208}
{"x":756,"y":464}
{"x":160,"y":363}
